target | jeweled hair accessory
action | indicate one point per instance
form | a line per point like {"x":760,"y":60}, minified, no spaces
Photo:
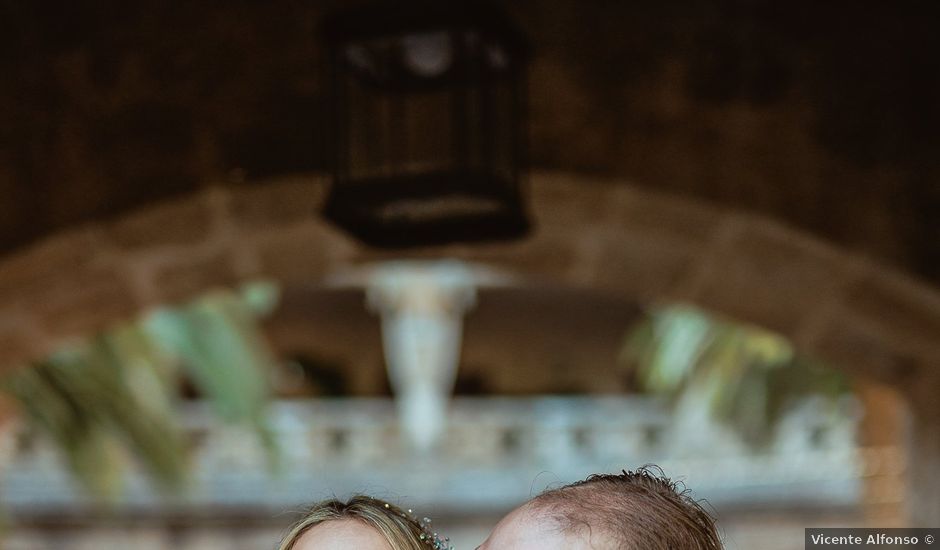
{"x":428,"y":536}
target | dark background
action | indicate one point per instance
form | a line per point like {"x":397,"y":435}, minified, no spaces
{"x":822,"y":114}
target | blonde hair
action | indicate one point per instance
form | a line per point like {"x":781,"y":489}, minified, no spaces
{"x":401,"y":530}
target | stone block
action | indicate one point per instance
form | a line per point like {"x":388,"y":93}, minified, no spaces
{"x":301,"y":254}
{"x":548,"y":254}
{"x":665,"y":217}
{"x":81,"y":303}
{"x":186,"y":277}
{"x":561,"y":199}
{"x":857,"y":353}
{"x":639,"y":264}
{"x":903,"y":312}
{"x":178,"y":222}
{"x":20,"y":342}
{"x":27,"y":273}
{"x":771,"y":276}
{"x":277,"y":203}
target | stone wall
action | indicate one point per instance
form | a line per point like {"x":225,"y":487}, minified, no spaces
{"x":603,"y":235}
{"x":924,"y":448}
{"x":599,"y":235}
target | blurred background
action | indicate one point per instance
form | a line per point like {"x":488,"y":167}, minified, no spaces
{"x":254,"y":255}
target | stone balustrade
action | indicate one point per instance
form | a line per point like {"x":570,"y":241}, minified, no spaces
{"x":496,"y":452}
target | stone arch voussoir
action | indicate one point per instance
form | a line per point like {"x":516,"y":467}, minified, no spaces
{"x":604,"y":235}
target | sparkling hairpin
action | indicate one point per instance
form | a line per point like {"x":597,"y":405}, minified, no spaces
{"x":427,"y":536}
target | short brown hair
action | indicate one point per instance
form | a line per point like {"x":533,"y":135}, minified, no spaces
{"x":635,"y":510}
{"x":401,"y":530}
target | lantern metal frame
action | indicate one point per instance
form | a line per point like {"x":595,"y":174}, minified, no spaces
{"x":472,"y":196}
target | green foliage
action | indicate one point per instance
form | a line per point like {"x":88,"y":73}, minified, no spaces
{"x":215,"y":341}
{"x":114,"y":396}
{"x":747,"y":376}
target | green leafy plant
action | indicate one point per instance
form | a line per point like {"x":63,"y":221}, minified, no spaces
{"x":747,"y":376}
{"x":114,"y":396}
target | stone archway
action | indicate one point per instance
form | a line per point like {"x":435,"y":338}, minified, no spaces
{"x":607,"y":235}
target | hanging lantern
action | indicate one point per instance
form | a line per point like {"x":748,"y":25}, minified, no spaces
{"x":429,"y":106}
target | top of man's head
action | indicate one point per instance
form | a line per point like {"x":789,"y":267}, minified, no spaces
{"x":638,"y":510}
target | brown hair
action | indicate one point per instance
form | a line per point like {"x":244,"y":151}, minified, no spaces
{"x":401,"y":530}
{"x":637,"y":510}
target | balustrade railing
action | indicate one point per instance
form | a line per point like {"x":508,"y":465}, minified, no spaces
{"x":496,"y":452}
